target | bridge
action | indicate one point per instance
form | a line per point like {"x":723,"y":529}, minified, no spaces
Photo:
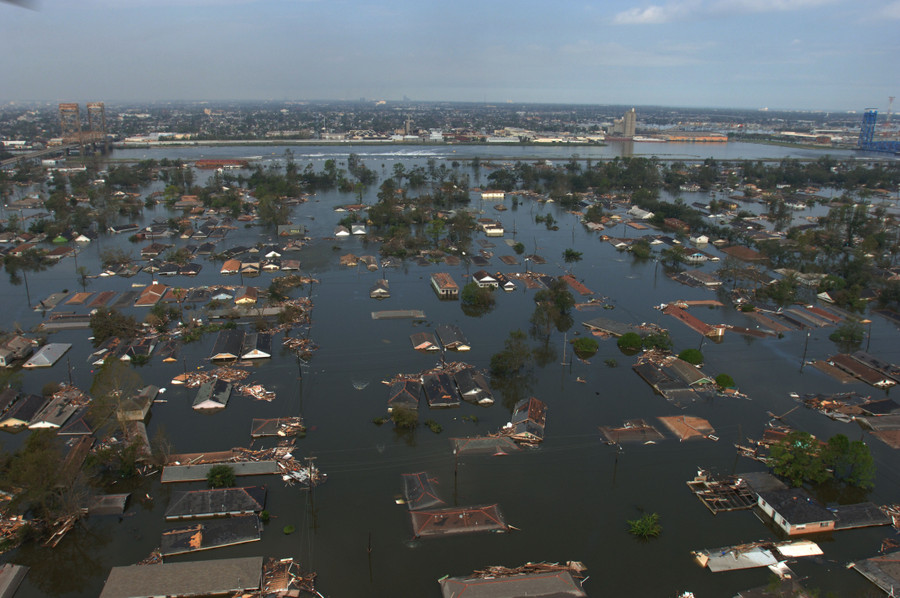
{"x":38,"y":154}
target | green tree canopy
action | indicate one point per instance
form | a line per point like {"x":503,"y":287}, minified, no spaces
{"x":220,"y":476}
{"x":692,"y":356}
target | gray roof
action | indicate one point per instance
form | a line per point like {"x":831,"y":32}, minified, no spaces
{"x":221,"y":501}
{"x":25,"y":409}
{"x":210,"y":534}
{"x":197,"y":473}
{"x":797,"y":507}
{"x":47,"y":355}
{"x":883,"y":571}
{"x":213,"y":394}
{"x":611,"y":326}
{"x":10,"y":578}
{"x":198,"y":578}
{"x":228,"y":344}
{"x":557,"y":584}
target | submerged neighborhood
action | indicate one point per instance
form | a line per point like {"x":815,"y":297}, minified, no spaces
{"x":324,"y":357}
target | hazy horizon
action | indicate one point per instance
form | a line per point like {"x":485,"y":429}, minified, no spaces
{"x":784,"y":55}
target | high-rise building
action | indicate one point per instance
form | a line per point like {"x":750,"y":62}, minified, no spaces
{"x":625,"y":126}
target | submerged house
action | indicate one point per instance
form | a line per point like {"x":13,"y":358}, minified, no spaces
{"x":452,"y":337}
{"x":527,"y":422}
{"x":257,"y":345}
{"x":405,"y":394}
{"x":484,"y":280}
{"x":213,"y":394}
{"x":424,"y":341}
{"x":228,"y":345}
{"x":380,"y":290}
{"x":47,"y":355}
{"x":440,"y":391}
{"x":473,"y":387}
{"x":23,"y":412}
{"x":54,"y":414}
{"x":444,"y":285}
{"x":220,"y":502}
{"x":137,"y":407}
{"x":17,"y":347}
{"x":796,"y":512}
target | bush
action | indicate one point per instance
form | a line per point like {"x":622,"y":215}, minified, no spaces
{"x":646,"y":527}
{"x":611,"y":363}
{"x":264,"y":516}
{"x":658,"y":340}
{"x":288,"y":530}
{"x":692,"y":356}
{"x":434,"y":426}
{"x":585,"y":347}
{"x":220,"y":476}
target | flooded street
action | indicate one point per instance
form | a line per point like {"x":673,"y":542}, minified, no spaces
{"x":569,"y":499}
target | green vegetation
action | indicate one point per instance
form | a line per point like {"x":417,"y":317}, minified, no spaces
{"x":220,"y":476}
{"x":434,"y":426}
{"x":513,"y":359}
{"x":264,"y":516}
{"x":519,"y":248}
{"x":660,"y":341}
{"x":570,"y":256}
{"x":476,"y":300}
{"x":405,"y":419}
{"x":692,"y":356}
{"x":288,"y":530}
{"x":585,"y":346}
{"x":630,"y":341}
{"x":641,"y":249}
{"x":724,"y":381}
{"x":108,"y":323}
{"x":552,"y":308}
{"x":800,"y":457}
{"x":612,"y":363}
{"x":645,"y":527}
{"x":849,"y":336}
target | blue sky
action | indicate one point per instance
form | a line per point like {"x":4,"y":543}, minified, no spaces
{"x":780,"y":54}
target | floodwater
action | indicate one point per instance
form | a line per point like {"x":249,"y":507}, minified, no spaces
{"x":569,"y":499}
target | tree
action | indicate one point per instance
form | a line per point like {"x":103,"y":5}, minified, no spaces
{"x":798,"y":457}
{"x":107,"y":323}
{"x":850,"y":462}
{"x":476,"y":300}
{"x":220,"y":476}
{"x":630,"y":341}
{"x":585,"y":346}
{"x":519,"y":248}
{"x":724,"y":381}
{"x":570,"y":256}
{"x":849,"y":336}
{"x":692,"y":356}
{"x":405,"y":419}
{"x":514,"y":357}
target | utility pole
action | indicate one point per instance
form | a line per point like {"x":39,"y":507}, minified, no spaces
{"x":805,"y":346}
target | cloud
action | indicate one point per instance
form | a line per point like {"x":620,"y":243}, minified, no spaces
{"x":656,"y":14}
{"x":652,"y":15}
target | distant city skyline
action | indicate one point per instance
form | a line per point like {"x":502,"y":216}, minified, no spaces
{"x":751,"y":54}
